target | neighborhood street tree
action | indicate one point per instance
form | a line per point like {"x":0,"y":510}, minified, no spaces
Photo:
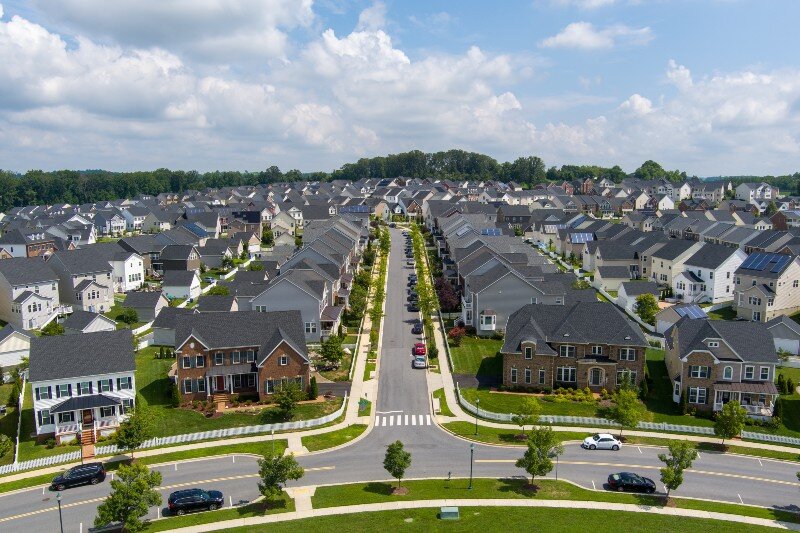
{"x":332,"y":351}
{"x":681,"y":455}
{"x":528,"y":414}
{"x":135,"y":430}
{"x":730,"y":421}
{"x":543,"y":446}
{"x":132,"y":494}
{"x":396,"y":461}
{"x":287,"y":397}
{"x":274,"y":471}
{"x":628,"y":411}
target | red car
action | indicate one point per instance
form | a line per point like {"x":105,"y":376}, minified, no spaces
{"x":419,"y":349}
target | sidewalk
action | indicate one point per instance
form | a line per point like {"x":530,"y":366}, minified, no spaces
{"x":429,"y":504}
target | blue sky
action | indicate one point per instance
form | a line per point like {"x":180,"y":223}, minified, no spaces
{"x":707,"y":86}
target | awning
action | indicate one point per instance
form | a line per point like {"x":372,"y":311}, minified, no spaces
{"x":331,"y":313}
{"x":85,"y":402}
{"x":754,"y":387}
{"x":226,"y":370}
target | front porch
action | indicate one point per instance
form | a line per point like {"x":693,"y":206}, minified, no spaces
{"x":232,"y":379}
{"x":87,"y":418}
{"x":330,"y":318}
{"x":757,"y":398}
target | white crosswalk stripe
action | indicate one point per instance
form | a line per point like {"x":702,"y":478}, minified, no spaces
{"x":403,"y":420}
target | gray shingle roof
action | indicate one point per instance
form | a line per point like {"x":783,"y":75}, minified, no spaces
{"x":26,"y":271}
{"x":69,"y":356}
{"x":179,"y":278}
{"x":752,"y":341}
{"x":710,"y":256}
{"x":80,"y":319}
{"x":636,"y":288}
{"x":139,"y":300}
{"x":614,"y":272}
{"x":167,"y":316}
{"x":215,"y":303}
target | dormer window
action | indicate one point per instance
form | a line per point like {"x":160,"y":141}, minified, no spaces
{"x":713,"y":344}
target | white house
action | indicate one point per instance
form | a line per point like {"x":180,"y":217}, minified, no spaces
{"x":29,"y":296}
{"x":181,"y":284}
{"x":14,"y":345}
{"x":708,"y":275}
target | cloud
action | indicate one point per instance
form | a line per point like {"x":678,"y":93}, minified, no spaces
{"x":584,"y":36}
{"x":373,"y":17}
{"x":435,"y":23}
{"x":583,"y":4}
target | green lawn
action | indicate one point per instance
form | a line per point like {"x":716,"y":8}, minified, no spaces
{"x":659,"y":401}
{"x":8,"y":422}
{"x":506,"y":436}
{"x":324,"y":441}
{"x":506,"y":519}
{"x":368,"y":369}
{"x":282,"y":505}
{"x":726,"y":313}
{"x":443,"y":407}
{"x":343,"y":372}
{"x":498,"y":402}
{"x":28,"y":447}
{"x":115,"y":312}
{"x":477,"y":356}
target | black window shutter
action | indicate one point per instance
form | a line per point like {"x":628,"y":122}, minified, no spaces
{"x":69,"y":389}
{"x":49,"y":392}
{"x":38,"y":398}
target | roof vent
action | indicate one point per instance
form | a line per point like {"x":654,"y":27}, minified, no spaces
{"x":627,"y":337}
{"x":566,"y":334}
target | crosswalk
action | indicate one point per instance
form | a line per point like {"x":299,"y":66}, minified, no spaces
{"x":390,"y":420}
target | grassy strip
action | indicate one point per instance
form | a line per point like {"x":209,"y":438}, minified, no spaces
{"x":507,"y":436}
{"x":331,"y":439}
{"x":514,"y":489}
{"x":428,"y":301}
{"x":368,"y":369}
{"x":443,"y":408}
{"x":283,"y":505}
{"x":482,"y":519}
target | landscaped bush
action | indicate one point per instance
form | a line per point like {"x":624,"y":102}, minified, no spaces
{"x":455,"y":335}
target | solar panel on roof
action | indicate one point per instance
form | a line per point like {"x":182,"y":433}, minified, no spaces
{"x":692,"y":311}
{"x":780,"y":263}
{"x":578,"y":238}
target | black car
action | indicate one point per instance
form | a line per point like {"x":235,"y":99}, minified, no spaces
{"x":86,"y":474}
{"x":628,"y":481}
{"x":186,"y":501}
{"x":417,"y":329}
{"x":413,"y":307}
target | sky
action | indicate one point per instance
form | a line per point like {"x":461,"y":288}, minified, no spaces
{"x":711,"y":87}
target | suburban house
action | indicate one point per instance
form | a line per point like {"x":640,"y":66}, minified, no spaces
{"x":29,"y":296}
{"x":247,"y":353}
{"x":217,"y":304}
{"x":786,"y":334}
{"x":82,"y":384}
{"x":15,"y":343}
{"x":708,"y":275}
{"x":767,"y":285}
{"x":714,"y":362}
{"x":164,"y":325}
{"x":609,"y":278}
{"x":179,"y":257}
{"x":669,"y":316}
{"x":181,"y":284}
{"x":146,"y":304}
{"x":28,"y":243}
{"x":134,"y":217}
{"x":85,"y":280}
{"x":630,"y":290}
{"x":584,"y":345}
{"x":86,"y":322}
{"x":667,"y":261}
{"x":127,"y":266}
{"x":752,"y":192}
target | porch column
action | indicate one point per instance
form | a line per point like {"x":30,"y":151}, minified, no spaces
{"x":230,"y":383}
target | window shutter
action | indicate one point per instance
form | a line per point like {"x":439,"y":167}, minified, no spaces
{"x":119,"y":386}
{"x":38,"y":413}
{"x":38,"y":398}
{"x":49,"y":392}
{"x":111,"y":385}
{"x":90,"y":387}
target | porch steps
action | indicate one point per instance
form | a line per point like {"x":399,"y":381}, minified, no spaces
{"x":220,"y":400}
{"x":87,"y":444}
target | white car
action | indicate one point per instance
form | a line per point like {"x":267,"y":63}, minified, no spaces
{"x":602,"y":441}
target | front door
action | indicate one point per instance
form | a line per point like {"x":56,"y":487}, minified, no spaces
{"x":219,"y":383}
{"x":595,"y":377}
{"x":88,"y":416}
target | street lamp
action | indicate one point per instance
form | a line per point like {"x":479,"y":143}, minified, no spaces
{"x":60,"y":519}
{"x":477,"y":412}
{"x":471,"y":460}
{"x":273,"y":442}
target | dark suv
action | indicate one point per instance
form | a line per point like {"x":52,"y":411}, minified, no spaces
{"x":186,"y":501}
{"x":88,"y":474}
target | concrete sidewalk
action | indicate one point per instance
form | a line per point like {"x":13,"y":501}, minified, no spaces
{"x":432,"y":504}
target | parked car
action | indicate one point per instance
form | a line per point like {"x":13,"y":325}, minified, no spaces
{"x":628,"y":481}
{"x":413,"y":307}
{"x":412,"y":277}
{"x":602,"y":441}
{"x":86,"y":474}
{"x":417,"y":329}
{"x":419,"y":348}
{"x":209,"y":279}
{"x":392,"y":225}
{"x":420,"y":362}
{"x":185,"y":501}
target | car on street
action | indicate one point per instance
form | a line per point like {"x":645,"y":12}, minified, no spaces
{"x":417,"y":329}
{"x":419,"y":362}
{"x":419,"y":348}
{"x":630,"y":482}
{"x":601,"y":441}
{"x":86,"y":474}
{"x":405,"y":233}
{"x":412,"y":277}
{"x":392,"y":225}
{"x":188,"y":500}
{"x":413,"y":307}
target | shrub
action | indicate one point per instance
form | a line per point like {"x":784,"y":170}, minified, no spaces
{"x":548,"y":390}
{"x":644,"y":391}
{"x":313,"y":391}
{"x":455,"y":335}
{"x":175,"y":396}
{"x":50,"y":443}
{"x":433,"y":352}
{"x":791,"y":386}
{"x":782,"y":388}
{"x":471,"y":330}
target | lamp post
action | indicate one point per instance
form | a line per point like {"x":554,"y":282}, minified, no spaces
{"x":471,"y":460}
{"x":273,"y":442}
{"x":477,"y":412}
{"x":60,"y":519}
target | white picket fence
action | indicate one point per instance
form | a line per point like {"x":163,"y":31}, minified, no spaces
{"x":652,"y":426}
{"x":180,"y":439}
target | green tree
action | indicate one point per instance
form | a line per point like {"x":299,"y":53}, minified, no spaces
{"x":730,"y":421}
{"x":647,"y":307}
{"x":790,"y":386}
{"x":132,"y":494}
{"x":52,"y":329}
{"x":581,"y":284}
{"x":267,"y":238}
{"x":243,"y":255}
{"x":397,"y":460}
{"x":226,"y":263}
{"x":5,"y":445}
{"x":286,"y":398}
{"x":681,"y":455}
{"x":528,"y":414}
{"x":218,"y":290}
{"x":256,"y":266}
{"x":134,"y":431}
{"x":543,"y":446}
{"x":772,"y":208}
{"x":274,"y":471}
{"x":332,"y":351}
{"x":313,"y":389}
{"x":782,"y":388}
{"x":128,"y":315}
{"x":627,"y":410}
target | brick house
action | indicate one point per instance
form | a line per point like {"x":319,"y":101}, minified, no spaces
{"x":590,"y":344}
{"x":247,"y":353}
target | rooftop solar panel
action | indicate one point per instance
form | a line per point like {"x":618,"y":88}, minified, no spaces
{"x":692,"y":311}
{"x":780,"y":263}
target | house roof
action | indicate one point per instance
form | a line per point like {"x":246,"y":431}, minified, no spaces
{"x":179,"y":278}
{"x":90,"y":354}
{"x":82,"y":261}
{"x":215,"y":303}
{"x":179,"y":252}
{"x":81,"y":319}
{"x":8,"y":329}
{"x":167,"y":316}
{"x":637,"y":288}
{"x":751,"y":341}
{"x":614,"y":272}
{"x":90,"y":401}
{"x":26,"y":271}
{"x":785,"y":321}
{"x":711,"y":256}
{"x":139,"y":300}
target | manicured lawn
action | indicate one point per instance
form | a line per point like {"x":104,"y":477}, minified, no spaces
{"x":115,"y":312}
{"x":343,"y":372}
{"x":28,"y":447}
{"x":507,"y":436}
{"x":443,"y":408}
{"x":498,"y":402}
{"x":659,"y":401}
{"x":324,"y":441}
{"x":507,"y":519}
{"x":368,"y":369}
{"x":8,"y":423}
{"x":350,"y":339}
{"x":726,"y":313}
{"x":477,"y":356}
{"x":282,"y":505}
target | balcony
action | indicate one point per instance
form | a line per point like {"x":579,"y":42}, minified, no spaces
{"x":759,"y":412}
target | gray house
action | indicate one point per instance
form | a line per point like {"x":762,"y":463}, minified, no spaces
{"x":164,"y":325}
{"x":786,"y":334}
{"x":146,"y":304}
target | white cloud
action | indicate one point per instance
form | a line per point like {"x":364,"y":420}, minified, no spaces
{"x":583,"y":4}
{"x":373,"y":17}
{"x":637,"y":104}
{"x":583,"y":35}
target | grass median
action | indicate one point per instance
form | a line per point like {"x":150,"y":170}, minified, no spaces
{"x":283,"y":505}
{"x":332,"y":439}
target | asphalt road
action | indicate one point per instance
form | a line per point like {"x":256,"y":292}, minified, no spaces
{"x":403,"y":398}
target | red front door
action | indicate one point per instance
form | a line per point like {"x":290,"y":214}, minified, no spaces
{"x":219,"y":383}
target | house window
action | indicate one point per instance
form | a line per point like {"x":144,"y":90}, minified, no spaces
{"x":284,"y":361}
{"x":237,"y":381}
{"x":626,"y":375}
{"x":528,"y":375}
{"x":219,"y":358}
{"x":542,"y":376}
{"x":199,"y":361}
{"x":45,"y":417}
{"x":713,"y":344}
{"x":597,"y":350}
{"x":84,"y":387}
{"x":757,"y":316}
{"x":711,"y":274}
{"x":104,"y":385}
{"x":727,"y":373}
{"x":749,"y":372}
{"x":566,"y":374}
{"x":187,"y":362}
{"x":311,"y":327}
{"x":627,"y":354}
{"x":125,"y":383}
{"x":201,"y":385}
{"x":697,"y":395}
{"x":770,"y":302}
{"x":236,"y":358}
{"x":698,"y":372}
{"x":488,"y":320}
{"x":65,"y":418}
{"x":251,"y":356}
{"x":63,"y":391}
{"x":513,"y":375}
{"x":676,"y":389}
{"x":187,"y":386}
{"x":528,"y":352}
{"x":765,"y":373}
{"x":566,"y":351}
{"x":107,"y":412}
{"x":795,"y":283}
